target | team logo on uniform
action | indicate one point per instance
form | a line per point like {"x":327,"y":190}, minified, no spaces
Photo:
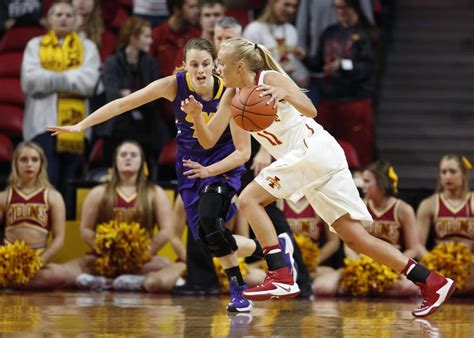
{"x":274,"y":182}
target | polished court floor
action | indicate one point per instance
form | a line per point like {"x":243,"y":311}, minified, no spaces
{"x":107,"y":314}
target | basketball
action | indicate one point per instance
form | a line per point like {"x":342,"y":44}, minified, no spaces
{"x":250,"y":111}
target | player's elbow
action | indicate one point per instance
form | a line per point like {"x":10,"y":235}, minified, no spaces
{"x":207,"y":144}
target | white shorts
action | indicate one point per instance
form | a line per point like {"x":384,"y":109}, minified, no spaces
{"x":319,"y":172}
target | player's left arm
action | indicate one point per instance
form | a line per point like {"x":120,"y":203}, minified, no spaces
{"x":58,"y":225}
{"x":281,"y":87}
{"x":407,"y":218}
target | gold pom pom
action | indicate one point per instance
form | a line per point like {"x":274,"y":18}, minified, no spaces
{"x":451,"y":260}
{"x":18,"y":263}
{"x":309,"y":251}
{"x":122,"y":248}
{"x":222,"y":277}
{"x":365,"y":276}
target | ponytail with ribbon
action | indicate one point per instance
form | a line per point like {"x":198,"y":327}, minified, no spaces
{"x":392,"y":175}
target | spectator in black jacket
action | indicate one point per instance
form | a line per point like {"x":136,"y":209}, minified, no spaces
{"x":345,"y":57}
{"x":126,"y":71}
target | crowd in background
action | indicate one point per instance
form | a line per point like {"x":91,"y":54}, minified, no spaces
{"x":331,"y":48}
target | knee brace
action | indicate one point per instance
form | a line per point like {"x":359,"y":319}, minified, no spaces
{"x":213,"y":207}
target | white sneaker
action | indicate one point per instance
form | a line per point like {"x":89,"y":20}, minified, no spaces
{"x":91,"y":282}
{"x":128,"y":283}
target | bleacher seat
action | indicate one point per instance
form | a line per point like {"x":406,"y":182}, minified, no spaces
{"x":96,"y":156}
{"x":12,"y":123}
{"x":11,"y":92}
{"x":6,"y":149}
{"x":17,"y":37}
{"x":168,"y":154}
{"x":10,"y":63}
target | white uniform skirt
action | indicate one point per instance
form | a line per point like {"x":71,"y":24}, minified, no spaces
{"x":316,"y":169}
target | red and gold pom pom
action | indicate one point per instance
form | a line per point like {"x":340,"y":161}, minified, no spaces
{"x":451,"y":260}
{"x":19,"y":263}
{"x":364,"y":276}
{"x":309,"y":251}
{"x":122,"y":248}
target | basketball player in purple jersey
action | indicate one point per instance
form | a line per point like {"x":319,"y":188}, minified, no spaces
{"x":207,"y":179}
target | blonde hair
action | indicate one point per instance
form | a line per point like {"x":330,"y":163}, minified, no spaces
{"x":42,"y":178}
{"x":268,"y":14}
{"x":144,"y":188}
{"x":462,"y":166}
{"x":257,"y":57}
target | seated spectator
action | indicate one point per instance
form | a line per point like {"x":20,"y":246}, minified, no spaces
{"x":15,"y":13}
{"x":128,"y":70}
{"x":89,"y":24}
{"x":345,"y":57}
{"x":448,"y":214}
{"x":59,"y":72}
{"x":274,"y":30}
{"x":211,"y":11}
{"x":31,"y":209}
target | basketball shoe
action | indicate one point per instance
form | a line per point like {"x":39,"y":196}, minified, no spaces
{"x":237,"y":302}
{"x":91,"y":282}
{"x":286,"y":245}
{"x":435,"y":292}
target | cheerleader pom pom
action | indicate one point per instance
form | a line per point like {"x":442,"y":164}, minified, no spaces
{"x":364,"y":276}
{"x":122,"y":248}
{"x":19,"y":263}
{"x":451,"y":260}
{"x":309,"y":251}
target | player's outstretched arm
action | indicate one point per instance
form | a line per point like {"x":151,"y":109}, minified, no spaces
{"x":209,"y":134}
{"x":162,"y":88}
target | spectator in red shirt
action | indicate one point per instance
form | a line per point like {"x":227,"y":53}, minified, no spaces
{"x":170,"y":37}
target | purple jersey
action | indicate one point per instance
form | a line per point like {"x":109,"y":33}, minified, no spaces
{"x":189,"y":148}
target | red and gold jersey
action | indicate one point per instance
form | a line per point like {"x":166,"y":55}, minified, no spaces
{"x":386,"y":225}
{"x":27,"y":210}
{"x":450,"y":221}
{"x":125,"y":208}
{"x":303,"y":220}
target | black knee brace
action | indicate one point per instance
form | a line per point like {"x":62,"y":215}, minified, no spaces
{"x":213,"y":207}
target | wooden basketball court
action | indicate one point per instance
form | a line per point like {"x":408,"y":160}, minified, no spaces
{"x":109,"y":314}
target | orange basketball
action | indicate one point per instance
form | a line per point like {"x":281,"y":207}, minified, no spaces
{"x":250,"y":111}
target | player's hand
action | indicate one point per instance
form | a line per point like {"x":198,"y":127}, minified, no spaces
{"x":277,"y":93}
{"x":261,"y":160}
{"x":191,"y":106}
{"x":196,"y":171}
{"x":55,"y":130}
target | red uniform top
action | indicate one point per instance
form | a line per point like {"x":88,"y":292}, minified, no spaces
{"x":168,"y":46}
{"x":124,"y":208}
{"x":27,"y":210}
{"x":386,"y":225}
{"x":303,"y":220}
{"x":454,"y":222}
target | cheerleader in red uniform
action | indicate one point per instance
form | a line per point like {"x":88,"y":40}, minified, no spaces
{"x":449,"y":213}
{"x":31,"y":209}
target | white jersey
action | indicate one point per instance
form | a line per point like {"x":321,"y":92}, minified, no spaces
{"x":288,"y":131}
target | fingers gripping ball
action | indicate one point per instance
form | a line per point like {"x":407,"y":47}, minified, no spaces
{"x":250,"y":111}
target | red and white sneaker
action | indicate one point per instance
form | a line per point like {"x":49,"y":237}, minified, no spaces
{"x":435,"y":292}
{"x":277,"y":284}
